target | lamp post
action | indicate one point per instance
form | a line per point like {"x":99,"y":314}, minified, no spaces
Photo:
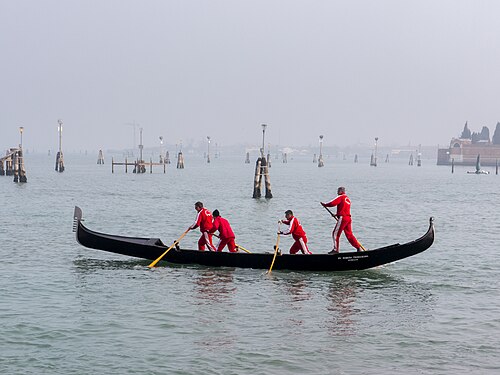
{"x":264,"y":126}
{"x":59,"y":129}
{"x":21,"y":129}
{"x":208,"y":152}
{"x":320,"y":159}
{"x":161,"y":149}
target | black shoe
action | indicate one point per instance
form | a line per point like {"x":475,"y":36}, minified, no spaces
{"x":333,"y":252}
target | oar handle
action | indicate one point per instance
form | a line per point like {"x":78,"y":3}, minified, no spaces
{"x":165,"y":253}
{"x":331,"y":213}
{"x":276,"y":248}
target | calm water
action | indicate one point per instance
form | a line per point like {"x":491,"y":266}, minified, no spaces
{"x":65,"y":309}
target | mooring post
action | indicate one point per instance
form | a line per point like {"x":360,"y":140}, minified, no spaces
{"x":452,"y":165}
{"x":126,"y":165}
{"x":247,"y":159}
{"x":112,"y":165}
{"x":150,"y":165}
{"x":180,"y":161}
{"x":267,"y":178}
{"x":257,"y":179}
{"x":320,"y":158}
{"x":387,"y":158}
{"x":2,"y":170}
{"x":59,"y":156}
{"x":285,"y":158}
{"x":496,"y":167}
{"x":22,"y":170}
{"x":314,"y":159}
{"x":167,"y":158}
{"x":100,"y":158}
{"x":16,"y":167}
{"x":268,"y":160}
{"x":356,"y":158}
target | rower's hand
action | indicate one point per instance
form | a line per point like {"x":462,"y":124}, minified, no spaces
{"x":280,"y":221}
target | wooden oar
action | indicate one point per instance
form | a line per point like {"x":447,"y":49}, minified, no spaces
{"x":276,"y":248}
{"x":337,"y":219}
{"x":242,"y":248}
{"x":166,"y":251}
{"x":238,"y":246}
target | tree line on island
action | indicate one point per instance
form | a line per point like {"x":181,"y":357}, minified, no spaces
{"x":484,"y":135}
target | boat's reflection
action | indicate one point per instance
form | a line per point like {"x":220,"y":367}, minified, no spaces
{"x":214,"y":292}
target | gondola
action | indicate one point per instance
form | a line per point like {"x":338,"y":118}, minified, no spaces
{"x":152,"y":248}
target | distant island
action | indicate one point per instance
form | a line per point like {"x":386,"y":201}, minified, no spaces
{"x":465,"y":149}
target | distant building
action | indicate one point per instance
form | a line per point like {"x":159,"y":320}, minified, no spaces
{"x":464,"y":150}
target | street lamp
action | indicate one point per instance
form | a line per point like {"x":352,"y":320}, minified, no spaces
{"x":320,"y":159}
{"x":161,"y":149}
{"x":59,"y":129}
{"x":208,"y":153}
{"x":264,"y":126}
{"x":21,"y":129}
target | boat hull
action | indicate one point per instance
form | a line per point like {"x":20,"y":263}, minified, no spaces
{"x":152,"y":248}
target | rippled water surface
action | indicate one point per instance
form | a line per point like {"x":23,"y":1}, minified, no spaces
{"x":65,"y":309}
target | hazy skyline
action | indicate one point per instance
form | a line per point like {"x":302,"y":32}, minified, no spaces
{"x":403,"y":71}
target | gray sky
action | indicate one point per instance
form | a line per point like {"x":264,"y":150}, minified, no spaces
{"x":405,"y":71}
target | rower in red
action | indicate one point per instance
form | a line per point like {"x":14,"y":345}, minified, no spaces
{"x":297,"y":232}
{"x":344,"y":220}
{"x":204,"y":221}
{"x":226,"y":234}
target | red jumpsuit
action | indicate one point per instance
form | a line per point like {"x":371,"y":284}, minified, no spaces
{"x":226,"y":234}
{"x":344,"y":221}
{"x":204,"y":221}
{"x":298,"y":234}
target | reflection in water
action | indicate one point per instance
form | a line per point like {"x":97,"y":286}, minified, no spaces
{"x":341,"y":295}
{"x":88,"y":265}
{"x":373,"y":300}
{"x":215,"y":286}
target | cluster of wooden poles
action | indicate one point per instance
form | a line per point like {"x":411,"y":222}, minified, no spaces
{"x":14,"y":165}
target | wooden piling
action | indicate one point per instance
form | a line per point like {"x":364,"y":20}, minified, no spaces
{"x":314,"y":159}
{"x":496,"y":167}
{"x":167,"y":158}
{"x":387,"y":158}
{"x":452,"y":165}
{"x":410,"y":162}
{"x":257,"y":179}
{"x":180,"y":161}
{"x":100,"y":158}
{"x":268,"y":160}
{"x":16,"y":167}
{"x":356,"y":158}
{"x":21,"y":169}
{"x":321,"y":163}
{"x":285,"y":158}
{"x":59,"y":162}
{"x":247,"y":160}
{"x":265,"y":171}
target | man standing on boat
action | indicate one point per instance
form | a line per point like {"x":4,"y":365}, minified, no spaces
{"x":297,"y":232}
{"x":226,"y":234}
{"x":204,"y":221}
{"x":344,"y":220}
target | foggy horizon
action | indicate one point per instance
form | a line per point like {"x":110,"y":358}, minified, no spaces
{"x":406,"y":72}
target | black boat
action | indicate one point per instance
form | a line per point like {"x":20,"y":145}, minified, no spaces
{"x":152,"y":248}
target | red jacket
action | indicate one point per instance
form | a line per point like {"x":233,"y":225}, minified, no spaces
{"x":295,"y":228}
{"x":222,"y":225}
{"x":203,"y":220}
{"x":343,"y":204}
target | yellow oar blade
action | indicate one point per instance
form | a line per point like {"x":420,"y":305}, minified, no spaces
{"x":242,"y":248}
{"x":166,"y":251}
{"x":275,"y":250}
